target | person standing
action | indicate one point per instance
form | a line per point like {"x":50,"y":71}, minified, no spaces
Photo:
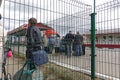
{"x":45,"y":39}
{"x":34,"y":39}
{"x":57,"y":44}
{"x":83,"y":45}
{"x":68,"y":43}
{"x":78,"y":39}
{"x":51,"y":44}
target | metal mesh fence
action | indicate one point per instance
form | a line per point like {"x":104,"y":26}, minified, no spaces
{"x":63,"y":16}
{"x":107,"y":39}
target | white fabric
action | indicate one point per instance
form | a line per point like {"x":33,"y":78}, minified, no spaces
{"x":1,"y":45}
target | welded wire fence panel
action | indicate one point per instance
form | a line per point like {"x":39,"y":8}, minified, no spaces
{"x":62,"y":16}
{"x":107,"y":40}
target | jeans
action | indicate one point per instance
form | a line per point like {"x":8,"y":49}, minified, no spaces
{"x":69,"y":49}
{"x":78,"y":50}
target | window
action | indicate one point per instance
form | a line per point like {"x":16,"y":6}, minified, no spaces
{"x":118,"y":38}
{"x":110,"y":38}
{"x":104,"y":38}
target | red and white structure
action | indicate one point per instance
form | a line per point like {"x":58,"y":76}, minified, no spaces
{"x":109,"y":38}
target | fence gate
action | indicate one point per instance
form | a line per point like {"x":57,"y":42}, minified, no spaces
{"x":56,"y":18}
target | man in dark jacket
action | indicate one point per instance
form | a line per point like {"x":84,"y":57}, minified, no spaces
{"x":68,"y":43}
{"x":78,"y":39}
{"x":34,"y":39}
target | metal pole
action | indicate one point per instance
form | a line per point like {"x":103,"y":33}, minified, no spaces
{"x":93,"y":40}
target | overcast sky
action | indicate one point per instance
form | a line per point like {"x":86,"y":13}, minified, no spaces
{"x":72,"y":13}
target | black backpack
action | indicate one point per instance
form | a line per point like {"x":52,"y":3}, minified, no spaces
{"x":34,"y":38}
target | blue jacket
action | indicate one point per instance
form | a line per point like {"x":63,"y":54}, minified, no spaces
{"x":51,"y":41}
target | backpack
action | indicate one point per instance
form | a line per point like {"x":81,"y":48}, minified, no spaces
{"x":34,"y":37}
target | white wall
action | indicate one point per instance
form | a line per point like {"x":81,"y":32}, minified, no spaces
{"x":115,"y":39}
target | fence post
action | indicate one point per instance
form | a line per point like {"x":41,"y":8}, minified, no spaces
{"x":93,"y":40}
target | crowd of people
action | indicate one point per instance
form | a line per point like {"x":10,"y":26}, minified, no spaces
{"x":73,"y":44}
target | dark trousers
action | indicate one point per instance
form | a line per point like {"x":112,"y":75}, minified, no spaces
{"x":51,"y":47}
{"x":29,"y":57}
{"x":83,"y":49}
{"x":46,"y":49}
{"x":57,"y":49}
